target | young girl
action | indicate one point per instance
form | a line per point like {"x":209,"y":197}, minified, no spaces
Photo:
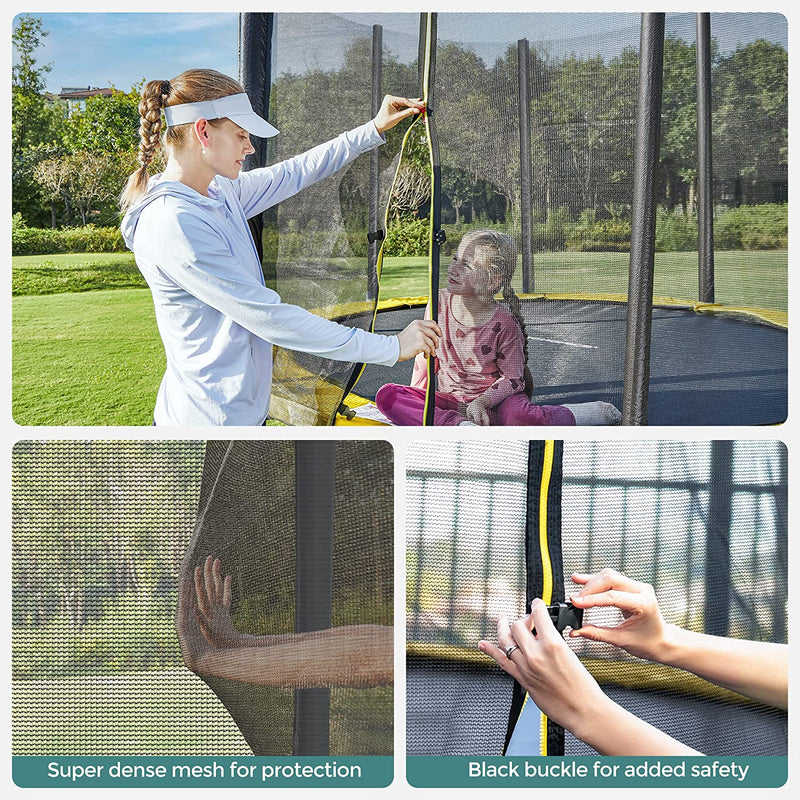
{"x":188,"y":229}
{"x":481,"y":367}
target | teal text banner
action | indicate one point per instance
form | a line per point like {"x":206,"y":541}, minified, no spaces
{"x":597,"y":771}
{"x":224,"y":771}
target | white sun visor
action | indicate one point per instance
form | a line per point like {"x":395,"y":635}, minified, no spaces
{"x":235,"y":107}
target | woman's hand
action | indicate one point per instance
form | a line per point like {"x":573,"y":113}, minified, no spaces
{"x":213,"y":595}
{"x":478,"y":410}
{"x":421,"y":336}
{"x":395,"y":109}
{"x":548,"y":670}
{"x":642,"y":632}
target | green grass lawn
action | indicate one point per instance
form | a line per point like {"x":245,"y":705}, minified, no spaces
{"x":168,"y":712}
{"x":750,"y":278}
{"x":74,"y":272}
{"x":90,"y":358}
{"x":95,"y":358}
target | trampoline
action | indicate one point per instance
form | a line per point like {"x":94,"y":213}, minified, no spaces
{"x":709,"y":368}
{"x":572,"y":181}
{"x":703,"y":522}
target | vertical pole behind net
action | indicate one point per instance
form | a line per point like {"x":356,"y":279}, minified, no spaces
{"x":374,"y":166}
{"x":255,"y":66}
{"x":718,"y":539}
{"x":526,"y":204}
{"x":315,"y":484}
{"x":438,"y":237}
{"x":705,"y":174}
{"x":643,"y":222}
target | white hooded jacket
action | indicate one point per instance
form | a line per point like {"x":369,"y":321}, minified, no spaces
{"x":217,"y":319}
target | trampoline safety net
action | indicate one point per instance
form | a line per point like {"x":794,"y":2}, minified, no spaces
{"x":703,"y":522}
{"x":535,"y":134}
{"x":100,"y":542}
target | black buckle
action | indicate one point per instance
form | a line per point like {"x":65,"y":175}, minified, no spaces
{"x":376,"y":236}
{"x":565,"y":615}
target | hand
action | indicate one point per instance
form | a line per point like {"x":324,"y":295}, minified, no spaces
{"x":192,"y":641}
{"x":549,"y":671}
{"x":213,"y":609}
{"x":395,"y":109}
{"x":478,"y":411}
{"x":421,"y":336}
{"x":642,"y":633}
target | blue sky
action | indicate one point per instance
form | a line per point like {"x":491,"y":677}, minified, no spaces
{"x":121,"y":49}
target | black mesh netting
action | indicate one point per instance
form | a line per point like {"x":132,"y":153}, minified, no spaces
{"x":100,"y":531}
{"x":248,"y":519}
{"x":703,"y":522}
{"x":316,"y":251}
{"x":577,"y":75}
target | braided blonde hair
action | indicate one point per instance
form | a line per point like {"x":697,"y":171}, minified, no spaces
{"x":191,"y":86}
{"x":487,"y":248}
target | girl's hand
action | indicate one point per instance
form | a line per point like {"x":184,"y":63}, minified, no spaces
{"x":643,"y":632}
{"x":421,"y":336}
{"x":395,"y":109}
{"x":213,"y":594}
{"x":478,"y":411}
{"x":544,"y":665}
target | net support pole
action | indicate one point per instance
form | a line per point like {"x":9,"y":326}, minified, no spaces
{"x":643,"y":222}
{"x":255,"y":66}
{"x":437,"y":234}
{"x":718,"y":535}
{"x":705,"y":175}
{"x":315,"y":484}
{"x":525,"y":175}
{"x":374,"y":165}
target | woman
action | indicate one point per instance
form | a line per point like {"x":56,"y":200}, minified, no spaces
{"x":188,"y":230}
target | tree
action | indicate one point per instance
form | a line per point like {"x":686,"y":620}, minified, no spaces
{"x":34,"y":120}
{"x":751,"y":117}
{"x":678,"y":155}
{"x":51,"y":175}
{"x":80,"y":179}
{"x":106,"y":124}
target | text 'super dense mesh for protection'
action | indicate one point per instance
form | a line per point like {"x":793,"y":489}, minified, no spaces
{"x":249,"y":509}
{"x":703,"y":522}
{"x":100,"y":533}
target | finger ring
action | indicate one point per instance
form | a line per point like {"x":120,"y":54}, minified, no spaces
{"x":510,"y":649}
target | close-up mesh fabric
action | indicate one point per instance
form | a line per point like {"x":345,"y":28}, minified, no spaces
{"x":249,"y":506}
{"x":533,"y":123}
{"x":101,"y":535}
{"x":703,"y":522}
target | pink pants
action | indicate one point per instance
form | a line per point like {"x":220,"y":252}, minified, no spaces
{"x":405,"y":405}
